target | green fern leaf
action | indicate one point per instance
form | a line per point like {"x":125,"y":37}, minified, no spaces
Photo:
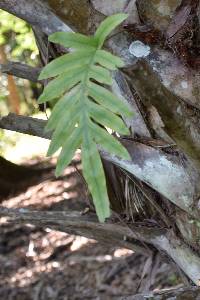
{"x":94,"y":175}
{"x":76,"y":59}
{"x":72,"y":142}
{"x":64,"y":129}
{"x":68,"y":100}
{"x":85,"y":109}
{"x":108,"y":60}
{"x":100,"y":74}
{"x":62,"y":83}
{"x":108,"y":142}
{"x":108,"y":100}
{"x":75,"y":41}
{"x":107,"y":26}
{"x":107,"y":118}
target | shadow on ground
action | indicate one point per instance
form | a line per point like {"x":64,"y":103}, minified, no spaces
{"x":41,"y":264}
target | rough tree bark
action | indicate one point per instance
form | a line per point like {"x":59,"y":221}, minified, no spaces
{"x":163,"y":88}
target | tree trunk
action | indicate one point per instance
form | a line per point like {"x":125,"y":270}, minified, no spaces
{"x":13,"y":95}
{"x":160,"y":187}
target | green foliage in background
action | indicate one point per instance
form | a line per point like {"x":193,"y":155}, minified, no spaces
{"x":86,"y":108}
{"x":19,"y":45}
{"x":17,"y":34}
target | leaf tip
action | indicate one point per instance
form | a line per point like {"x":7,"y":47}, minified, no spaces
{"x":130,"y":113}
{"x":52,"y":37}
{"x":127,"y":156}
{"x":123,"y":16}
{"x":103,"y":216}
{"x":40,"y":75}
{"x":47,"y":129}
{"x":57,"y":174}
{"x":41,"y":99}
{"x":50,"y":152}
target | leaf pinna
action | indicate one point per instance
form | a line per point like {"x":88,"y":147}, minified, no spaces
{"x":85,"y":108}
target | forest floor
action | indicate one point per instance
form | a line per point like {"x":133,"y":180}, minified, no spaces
{"x":41,"y":264}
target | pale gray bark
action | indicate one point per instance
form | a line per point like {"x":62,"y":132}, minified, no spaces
{"x":86,"y":225}
{"x":121,"y":88}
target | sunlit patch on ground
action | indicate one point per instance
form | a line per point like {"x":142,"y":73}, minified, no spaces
{"x":26,"y":146}
{"x":122,"y":252}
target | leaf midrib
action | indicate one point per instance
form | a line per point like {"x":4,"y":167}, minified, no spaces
{"x":85,"y":90}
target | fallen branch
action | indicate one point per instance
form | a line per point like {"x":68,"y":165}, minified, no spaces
{"x":132,"y":237}
{"x":87,"y":225}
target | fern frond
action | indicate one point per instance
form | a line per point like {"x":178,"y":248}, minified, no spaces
{"x":85,"y":108}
